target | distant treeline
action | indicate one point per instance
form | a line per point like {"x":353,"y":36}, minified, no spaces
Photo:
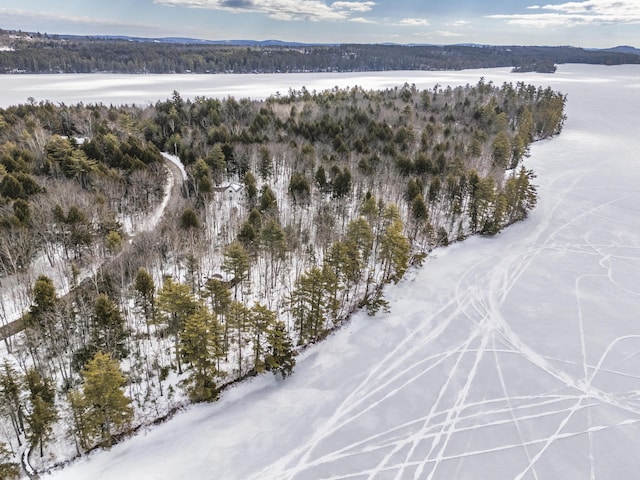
{"x":44,"y":54}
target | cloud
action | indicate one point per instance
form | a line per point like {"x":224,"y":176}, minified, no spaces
{"x":459,"y":23}
{"x":413,"y":22}
{"x":69,"y":19}
{"x":353,"y":6}
{"x":311,"y":10}
{"x":361,"y":20}
{"x":586,"y":12}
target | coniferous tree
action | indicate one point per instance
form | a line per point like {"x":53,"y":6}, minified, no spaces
{"x":9,"y":470}
{"x":109,"y":334}
{"x":44,"y":298}
{"x":239,"y":320}
{"x":273,"y":241}
{"x":220,"y":301}
{"x":108,"y":408}
{"x":43,"y":409}
{"x":394,"y":247}
{"x":200,"y":347}
{"x":11,"y":395}
{"x":262,"y":319}
{"x":236,"y":263}
{"x":175,"y":303}
{"x":312,"y":303}
{"x":80,"y":427}
{"x":145,"y":290}
{"x":268,"y":203}
{"x":280,"y":357}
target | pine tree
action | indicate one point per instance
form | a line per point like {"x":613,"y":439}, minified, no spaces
{"x":273,"y":241}
{"x":236,"y":263}
{"x":11,"y":396}
{"x":109,"y":333}
{"x":145,"y":290}
{"x":108,"y":408}
{"x":239,"y":319}
{"x":175,"y":303}
{"x":359,"y":232}
{"x":220,"y":299}
{"x":44,"y":297}
{"x":200,"y":347}
{"x":394,"y":247}
{"x":313,"y":303}
{"x":43,"y":409}
{"x":9,"y":470}
{"x":262,"y":320}
{"x":520,"y":195}
{"x":280,"y":357}
{"x":81,"y":426}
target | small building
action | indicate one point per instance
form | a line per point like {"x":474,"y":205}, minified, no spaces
{"x":230,"y":190}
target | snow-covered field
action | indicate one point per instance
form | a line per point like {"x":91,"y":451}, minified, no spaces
{"x":516,"y":357}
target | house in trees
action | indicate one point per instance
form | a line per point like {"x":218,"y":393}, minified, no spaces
{"x":229,"y":190}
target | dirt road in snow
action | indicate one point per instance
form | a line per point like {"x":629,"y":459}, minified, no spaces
{"x":14,"y":298}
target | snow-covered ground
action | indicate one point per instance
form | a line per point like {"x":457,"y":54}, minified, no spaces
{"x":15,"y":296}
{"x":516,"y":357}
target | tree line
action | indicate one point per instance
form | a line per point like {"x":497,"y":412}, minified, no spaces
{"x":49,"y":54}
{"x":297,"y":210}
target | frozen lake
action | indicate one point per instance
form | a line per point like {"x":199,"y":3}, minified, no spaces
{"x":516,"y":357}
{"x":143,"y":89}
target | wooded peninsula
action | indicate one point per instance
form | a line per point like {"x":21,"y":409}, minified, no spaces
{"x":296,"y":211}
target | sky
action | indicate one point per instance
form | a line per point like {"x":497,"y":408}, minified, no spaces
{"x":581,"y":23}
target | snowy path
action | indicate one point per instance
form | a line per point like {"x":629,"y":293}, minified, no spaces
{"x":15,"y":298}
{"x":516,"y":357}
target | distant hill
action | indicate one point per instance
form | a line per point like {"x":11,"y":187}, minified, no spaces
{"x":624,"y":49}
{"x":193,"y":41}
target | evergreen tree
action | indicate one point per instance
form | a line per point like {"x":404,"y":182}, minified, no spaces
{"x":266,"y":164}
{"x":501,"y":150}
{"x":250,"y":188}
{"x":239,"y":320}
{"x":394,"y":247}
{"x":299,"y":188}
{"x":109,"y":334}
{"x":520,"y":195}
{"x":312,"y":303}
{"x":9,"y":470}
{"x":11,"y":396}
{"x":280,"y":357}
{"x":200,"y":346}
{"x":268,"y":202}
{"x":145,"y":290}
{"x":108,"y":408}
{"x":175,"y":303}
{"x":80,"y":427}
{"x":359,"y":233}
{"x":43,"y":409}
{"x":44,"y":296}
{"x":262,"y":320}
{"x":236,"y":263}
{"x":272,"y":239}
{"x":321,"y":178}
{"x":220,"y":300}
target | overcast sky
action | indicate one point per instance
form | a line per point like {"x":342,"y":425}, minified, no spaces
{"x":584,"y":23}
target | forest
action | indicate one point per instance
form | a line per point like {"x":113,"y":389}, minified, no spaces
{"x":297,"y":210}
{"x":41,"y":53}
